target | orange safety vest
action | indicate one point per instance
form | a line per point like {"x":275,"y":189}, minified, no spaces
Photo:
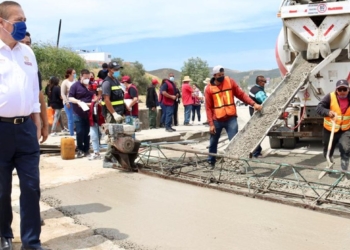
{"x":223,"y":99}
{"x":343,"y":120}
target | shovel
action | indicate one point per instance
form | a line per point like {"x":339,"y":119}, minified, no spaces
{"x":330,"y":164}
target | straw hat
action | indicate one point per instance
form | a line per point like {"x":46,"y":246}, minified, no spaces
{"x":207,"y":80}
{"x":186,"y":79}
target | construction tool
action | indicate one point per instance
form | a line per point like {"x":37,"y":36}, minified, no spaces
{"x":330,"y":163}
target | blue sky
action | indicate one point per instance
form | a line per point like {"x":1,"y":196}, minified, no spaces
{"x":239,"y":35}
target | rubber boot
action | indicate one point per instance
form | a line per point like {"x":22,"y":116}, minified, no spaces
{"x":344,"y":163}
{"x":345,"y":166}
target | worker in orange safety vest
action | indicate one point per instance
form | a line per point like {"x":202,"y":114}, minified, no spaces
{"x":336,"y":105}
{"x":221,"y":109}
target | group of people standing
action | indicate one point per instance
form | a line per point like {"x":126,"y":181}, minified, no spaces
{"x":90,"y":102}
{"x":169,"y":98}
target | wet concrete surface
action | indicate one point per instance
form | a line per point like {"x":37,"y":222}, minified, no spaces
{"x":142,"y":212}
{"x":136,"y":211}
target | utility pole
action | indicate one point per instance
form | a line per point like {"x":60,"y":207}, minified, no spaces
{"x":59,"y":33}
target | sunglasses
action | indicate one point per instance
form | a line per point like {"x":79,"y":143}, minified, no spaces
{"x":342,"y":89}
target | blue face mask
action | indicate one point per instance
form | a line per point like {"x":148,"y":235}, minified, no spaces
{"x":75,"y":76}
{"x":171,"y":78}
{"x":116,"y":74}
{"x":19,"y":30}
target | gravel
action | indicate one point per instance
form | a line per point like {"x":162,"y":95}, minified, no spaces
{"x":258,"y":126}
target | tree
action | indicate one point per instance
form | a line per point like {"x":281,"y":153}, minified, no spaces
{"x":137,"y":73}
{"x":244,"y":85}
{"x":53,"y":61}
{"x":197,"y":69}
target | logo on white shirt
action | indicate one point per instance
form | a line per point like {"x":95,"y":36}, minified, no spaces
{"x":26,"y":61}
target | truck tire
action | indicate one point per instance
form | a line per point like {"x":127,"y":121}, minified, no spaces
{"x":289,"y":143}
{"x":275,"y":143}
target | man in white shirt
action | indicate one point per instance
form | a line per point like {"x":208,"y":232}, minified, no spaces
{"x":19,"y":145}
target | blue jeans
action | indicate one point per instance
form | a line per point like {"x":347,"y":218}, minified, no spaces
{"x":69,"y":114}
{"x":95,"y":138}
{"x":231,"y":128}
{"x":196,"y":109}
{"x":169,"y":111}
{"x":82,"y":126}
{"x":257,"y":151}
{"x":162,"y":118}
{"x":129,"y":121}
{"x":188,"y":109}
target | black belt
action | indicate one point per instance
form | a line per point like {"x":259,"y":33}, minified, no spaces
{"x":14,"y":120}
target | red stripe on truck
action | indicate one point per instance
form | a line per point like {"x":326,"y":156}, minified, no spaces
{"x":308,"y":31}
{"x":329,"y":29}
{"x":281,"y":67}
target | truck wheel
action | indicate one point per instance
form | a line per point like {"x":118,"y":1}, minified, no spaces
{"x":275,"y":143}
{"x":289,"y":143}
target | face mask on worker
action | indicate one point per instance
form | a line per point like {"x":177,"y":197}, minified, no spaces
{"x":19,"y":30}
{"x":86,"y":81}
{"x":116,"y":74}
{"x":75,"y":76}
{"x":171,"y":78}
{"x":342,"y":97}
{"x":220,"y":79}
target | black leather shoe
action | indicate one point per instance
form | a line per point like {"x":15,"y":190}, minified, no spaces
{"x":6,"y":243}
{"x":173,"y":129}
{"x":169,"y":130}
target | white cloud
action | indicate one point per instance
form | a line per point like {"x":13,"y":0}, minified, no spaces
{"x":104,"y":22}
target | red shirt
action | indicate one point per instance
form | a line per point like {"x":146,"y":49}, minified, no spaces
{"x":343,"y":104}
{"x":187,"y":98}
{"x":209,"y":103}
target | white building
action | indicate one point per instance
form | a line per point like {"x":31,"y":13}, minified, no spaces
{"x":95,"y":57}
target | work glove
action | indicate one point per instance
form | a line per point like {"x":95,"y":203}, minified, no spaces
{"x":117,"y":117}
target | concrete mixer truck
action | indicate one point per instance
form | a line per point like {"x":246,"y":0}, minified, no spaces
{"x":319,"y":31}
{"x":312,"y":53}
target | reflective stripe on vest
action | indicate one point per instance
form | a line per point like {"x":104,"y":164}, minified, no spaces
{"x":343,"y":120}
{"x":115,"y":103}
{"x":223,"y":99}
{"x":116,"y":87}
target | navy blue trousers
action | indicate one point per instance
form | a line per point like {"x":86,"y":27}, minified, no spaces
{"x":19,"y":148}
{"x":82,"y":127}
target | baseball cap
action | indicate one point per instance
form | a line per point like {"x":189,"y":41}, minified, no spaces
{"x":114,"y":65}
{"x":218,"y":69}
{"x":126,"y":79}
{"x":342,"y":83}
{"x":154,"y":81}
